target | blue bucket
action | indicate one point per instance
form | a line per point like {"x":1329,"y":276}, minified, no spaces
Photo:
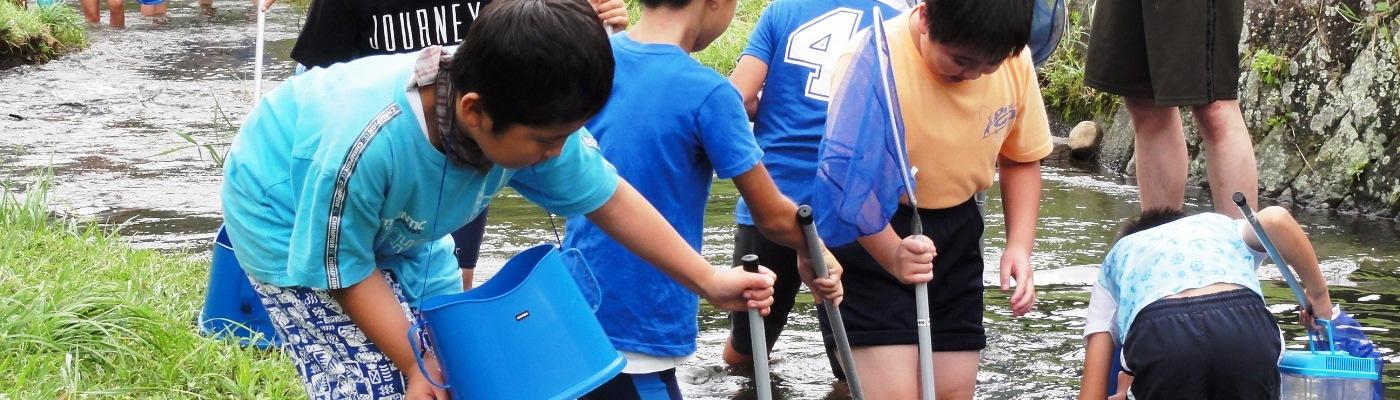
{"x":231,"y":307}
{"x":1327,"y":373}
{"x":527,"y":333}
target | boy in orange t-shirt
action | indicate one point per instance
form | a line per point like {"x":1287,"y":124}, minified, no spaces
{"x":972,"y":109}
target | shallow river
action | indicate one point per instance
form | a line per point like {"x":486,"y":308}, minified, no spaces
{"x":102,"y":118}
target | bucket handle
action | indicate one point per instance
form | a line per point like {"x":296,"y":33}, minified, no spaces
{"x":417,"y":339}
{"x":1312,"y":340}
{"x":578,"y":266}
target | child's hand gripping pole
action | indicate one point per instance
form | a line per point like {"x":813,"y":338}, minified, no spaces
{"x":921,"y":321}
{"x":759,"y":341}
{"x":1273,"y":252}
{"x":833,"y":315}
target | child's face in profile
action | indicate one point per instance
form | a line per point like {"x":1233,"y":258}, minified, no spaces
{"x":514,"y":146}
{"x":953,"y":63}
{"x":519,"y":146}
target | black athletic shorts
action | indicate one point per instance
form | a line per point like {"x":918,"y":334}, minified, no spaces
{"x":879,"y":310}
{"x":468,"y":241}
{"x":1217,"y":346}
{"x":1177,"y":52}
{"x":653,"y":386}
{"x":783,"y":261}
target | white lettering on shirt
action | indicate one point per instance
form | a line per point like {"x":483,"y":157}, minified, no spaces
{"x":422,"y":27}
{"x":456,"y":25}
{"x":440,"y":21}
{"x":415,"y":29}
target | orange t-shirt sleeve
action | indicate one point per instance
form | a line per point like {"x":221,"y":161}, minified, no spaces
{"x":1029,"y":138}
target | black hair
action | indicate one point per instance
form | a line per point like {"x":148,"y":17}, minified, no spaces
{"x":1149,"y":219}
{"x":665,"y":3}
{"x":992,"y":29}
{"x":536,"y":62}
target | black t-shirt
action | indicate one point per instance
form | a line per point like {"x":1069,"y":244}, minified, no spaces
{"x":343,"y":30}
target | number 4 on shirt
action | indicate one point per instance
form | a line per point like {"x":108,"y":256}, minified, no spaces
{"x":817,"y":44}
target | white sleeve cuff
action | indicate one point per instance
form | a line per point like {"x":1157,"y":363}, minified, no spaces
{"x":1102,"y":309}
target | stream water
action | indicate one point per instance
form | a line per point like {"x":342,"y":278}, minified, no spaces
{"x":101,"y":120}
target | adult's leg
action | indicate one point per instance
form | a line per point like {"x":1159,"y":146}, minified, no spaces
{"x":1230,"y":164}
{"x":1160,"y":150}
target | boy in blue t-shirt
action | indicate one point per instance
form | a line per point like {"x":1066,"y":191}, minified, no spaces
{"x":670,"y":126}
{"x":1181,"y":296}
{"x":343,"y":184}
{"x":790,"y":55}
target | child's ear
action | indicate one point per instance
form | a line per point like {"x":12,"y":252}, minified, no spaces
{"x":921,"y":19}
{"x":469,"y":110}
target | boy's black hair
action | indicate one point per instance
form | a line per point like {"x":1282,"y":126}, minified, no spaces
{"x":666,"y":3}
{"x":536,"y":62}
{"x":1149,"y":219}
{"x":992,"y":29}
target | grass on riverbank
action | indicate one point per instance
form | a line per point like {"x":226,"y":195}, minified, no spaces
{"x":38,"y":34}
{"x":1062,"y":77}
{"x":83,"y":314}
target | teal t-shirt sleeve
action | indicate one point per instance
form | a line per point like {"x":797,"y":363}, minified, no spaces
{"x":761,"y":41}
{"x":576,"y":182}
{"x":337,"y":218}
{"x":725,"y":134}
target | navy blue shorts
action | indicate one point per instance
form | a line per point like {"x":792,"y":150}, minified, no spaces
{"x":654,"y":386}
{"x":1218,"y":346}
{"x":468,"y":241}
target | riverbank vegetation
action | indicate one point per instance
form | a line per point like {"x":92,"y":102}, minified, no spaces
{"x":38,"y":34}
{"x":86,"y":315}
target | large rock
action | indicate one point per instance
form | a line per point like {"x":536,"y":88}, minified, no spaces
{"x":1116,"y":145}
{"x":1084,"y":140}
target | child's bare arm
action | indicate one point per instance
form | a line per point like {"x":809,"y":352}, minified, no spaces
{"x":1125,"y":382}
{"x":776,"y":218}
{"x":1020,"y":193}
{"x":630,"y":220}
{"x":1293,"y":244}
{"x":910,"y":260}
{"x":773,"y":214}
{"x":371,"y":304}
{"x":748,"y":76}
{"x":1098,"y":359}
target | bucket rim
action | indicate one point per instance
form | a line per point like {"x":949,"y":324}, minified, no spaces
{"x":433,"y":303}
{"x":1312,"y":364}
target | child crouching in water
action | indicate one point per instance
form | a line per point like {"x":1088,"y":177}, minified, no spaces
{"x":1181,"y":296}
